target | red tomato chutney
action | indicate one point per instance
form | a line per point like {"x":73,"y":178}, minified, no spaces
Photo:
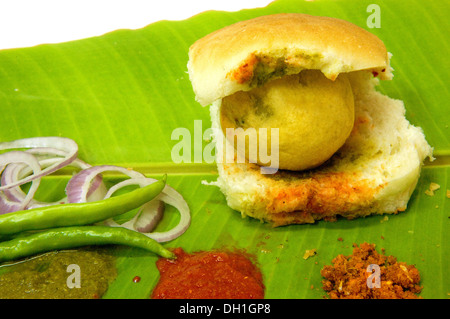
{"x":208,"y":275}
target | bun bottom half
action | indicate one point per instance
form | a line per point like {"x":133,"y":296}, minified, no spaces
{"x":374,"y":172}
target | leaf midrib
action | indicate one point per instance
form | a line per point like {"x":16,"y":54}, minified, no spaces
{"x":202,"y":168}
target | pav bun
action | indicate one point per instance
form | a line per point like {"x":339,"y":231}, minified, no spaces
{"x":376,"y":168}
{"x":232,"y":59}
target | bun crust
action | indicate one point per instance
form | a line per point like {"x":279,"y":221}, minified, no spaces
{"x":248,"y":53}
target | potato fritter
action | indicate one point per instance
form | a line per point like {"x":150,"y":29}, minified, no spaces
{"x":314,"y":116}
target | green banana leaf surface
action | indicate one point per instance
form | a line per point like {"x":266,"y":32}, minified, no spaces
{"x":121,"y":95}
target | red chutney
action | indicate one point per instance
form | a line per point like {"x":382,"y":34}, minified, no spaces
{"x":208,"y":275}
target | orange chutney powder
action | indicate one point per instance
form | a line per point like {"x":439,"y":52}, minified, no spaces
{"x":208,"y":275}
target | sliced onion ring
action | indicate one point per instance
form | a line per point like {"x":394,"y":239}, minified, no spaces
{"x":32,"y":162}
{"x":169,"y":196}
{"x":16,"y":171}
{"x":7,"y":206}
{"x":149,"y":216}
{"x":78,"y":186}
{"x":65,"y":144}
{"x":179,"y":203}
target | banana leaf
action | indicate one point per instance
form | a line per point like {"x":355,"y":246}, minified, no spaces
{"x":121,"y":95}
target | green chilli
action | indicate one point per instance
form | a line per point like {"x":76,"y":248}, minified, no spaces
{"x":78,"y":214}
{"x":77,"y":236}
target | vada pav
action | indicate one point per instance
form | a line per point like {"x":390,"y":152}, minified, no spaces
{"x":344,"y":148}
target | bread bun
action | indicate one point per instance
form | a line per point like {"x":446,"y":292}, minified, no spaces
{"x":378,"y":166}
{"x":248,"y":53}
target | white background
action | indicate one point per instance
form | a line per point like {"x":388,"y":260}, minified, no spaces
{"x":30,"y":22}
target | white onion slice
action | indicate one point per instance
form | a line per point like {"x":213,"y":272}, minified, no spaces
{"x":17,"y":171}
{"x":149,"y":216}
{"x":65,"y":144}
{"x":78,"y":186}
{"x":169,"y":196}
{"x":7,"y":206}
{"x":32,"y":162}
{"x":173,"y":198}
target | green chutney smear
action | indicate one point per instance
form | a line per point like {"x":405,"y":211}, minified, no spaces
{"x":49,"y":276}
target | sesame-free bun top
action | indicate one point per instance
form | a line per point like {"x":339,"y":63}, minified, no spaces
{"x":249,"y":53}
